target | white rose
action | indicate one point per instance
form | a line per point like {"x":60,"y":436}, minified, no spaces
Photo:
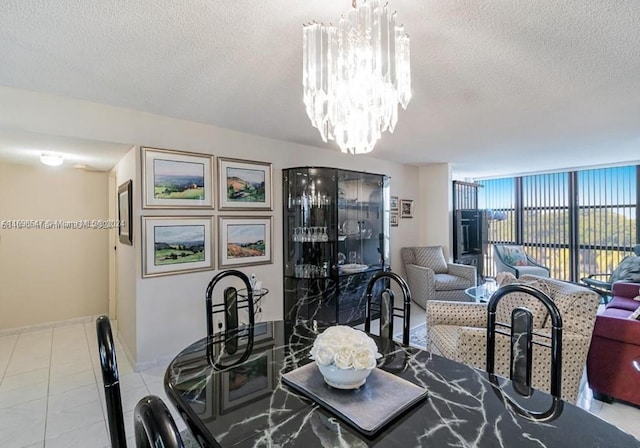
{"x":324,"y":355}
{"x":363,"y":358}
{"x":344,"y":358}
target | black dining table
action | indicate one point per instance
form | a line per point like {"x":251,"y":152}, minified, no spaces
{"x":241,"y":401}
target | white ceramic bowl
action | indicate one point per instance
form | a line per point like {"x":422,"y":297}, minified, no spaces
{"x":343,"y":378}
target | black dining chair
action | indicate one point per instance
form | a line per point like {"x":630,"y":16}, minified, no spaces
{"x":111,"y":381}
{"x":521,"y":348}
{"x":386,"y":307}
{"x":154,"y":426}
{"x":229,"y":306}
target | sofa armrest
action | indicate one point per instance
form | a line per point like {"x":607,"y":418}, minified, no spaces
{"x":472,"y":347}
{"x":422,"y":283}
{"x":462,"y":270}
{"x":466,"y":314}
{"x":618,"y":328}
{"x":533,"y":262}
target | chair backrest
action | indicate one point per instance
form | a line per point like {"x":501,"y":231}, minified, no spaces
{"x":154,"y":426}
{"x":511,"y":254}
{"x":387,"y":307}
{"x":427,"y":256}
{"x":521,"y":344}
{"x":230,"y":304}
{"x":111,"y":380}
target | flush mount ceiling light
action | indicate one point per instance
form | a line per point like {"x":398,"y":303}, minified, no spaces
{"x":51,"y":159}
{"x":354,"y":76}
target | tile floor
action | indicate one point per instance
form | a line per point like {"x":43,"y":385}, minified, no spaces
{"x":51,"y":390}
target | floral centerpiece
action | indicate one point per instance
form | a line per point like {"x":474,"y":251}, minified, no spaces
{"x":345,"y":356}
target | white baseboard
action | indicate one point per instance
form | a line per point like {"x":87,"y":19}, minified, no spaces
{"x":45,"y":325}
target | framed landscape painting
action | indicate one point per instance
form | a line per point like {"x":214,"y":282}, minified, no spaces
{"x":176,"y":179}
{"x":125,"y":213}
{"x":244,"y":185}
{"x":244,"y":241}
{"x":174,"y":245}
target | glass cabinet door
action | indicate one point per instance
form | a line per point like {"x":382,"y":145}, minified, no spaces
{"x":310,"y":227}
{"x":336,"y":237}
{"x":361,"y":217}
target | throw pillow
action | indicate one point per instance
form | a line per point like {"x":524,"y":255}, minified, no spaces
{"x":628,"y":270}
{"x":636,"y":314}
{"x":515,"y":256}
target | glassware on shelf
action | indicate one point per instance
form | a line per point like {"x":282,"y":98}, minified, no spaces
{"x":305,"y":270}
{"x":316,"y":234}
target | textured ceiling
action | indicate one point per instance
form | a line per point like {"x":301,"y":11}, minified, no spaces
{"x":498,"y":86}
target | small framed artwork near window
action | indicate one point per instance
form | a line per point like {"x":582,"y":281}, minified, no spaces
{"x":244,"y":241}
{"x":125,"y":213}
{"x":176,"y":179}
{"x":394,"y":204}
{"x":176,"y":245}
{"x":393,"y":219}
{"x":249,"y":381}
{"x":406,"y":208}
{"x":244,"y":185}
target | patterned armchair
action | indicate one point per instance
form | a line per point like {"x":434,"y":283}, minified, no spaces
{"x":458,"y":331}
{"x":512,"y":258}
{"x":430,"y":277}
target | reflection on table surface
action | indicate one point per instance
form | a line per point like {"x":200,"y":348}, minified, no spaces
{"x":243,"y":402}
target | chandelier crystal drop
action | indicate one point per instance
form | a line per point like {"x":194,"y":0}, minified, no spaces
{"x":354,"y":75}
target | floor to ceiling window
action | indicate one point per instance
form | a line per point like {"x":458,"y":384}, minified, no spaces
{"x":576,"y":223}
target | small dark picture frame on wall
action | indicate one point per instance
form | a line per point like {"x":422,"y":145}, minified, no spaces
{"x":393,"y":219}
{"x":125,"y":213}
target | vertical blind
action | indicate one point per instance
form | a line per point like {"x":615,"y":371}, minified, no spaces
{"x":576,"y":223}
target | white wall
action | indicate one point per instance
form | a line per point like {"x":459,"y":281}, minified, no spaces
{"x":127,"y":260}
{"x":435,"y":205}
{"x":169,"y":312}
{"x":55,"y":274}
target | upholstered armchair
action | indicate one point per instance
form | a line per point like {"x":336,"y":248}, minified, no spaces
{"x":627,"y":271}
{"x":431,"y":277}
{"x":512,"y":258}
{"x":458,"y":331}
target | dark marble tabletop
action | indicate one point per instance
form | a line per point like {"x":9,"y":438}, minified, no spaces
{"x":247,"y":405}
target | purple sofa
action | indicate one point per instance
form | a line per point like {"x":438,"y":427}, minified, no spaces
{"x":614,"y":355}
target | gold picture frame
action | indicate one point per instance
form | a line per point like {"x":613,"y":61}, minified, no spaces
{"x":177,"y":179}
{"x":245,"y":240}
{"x":244,"y":185}
{"x":176,"y":245}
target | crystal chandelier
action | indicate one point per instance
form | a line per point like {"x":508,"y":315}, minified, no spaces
{"x":354,"y":75}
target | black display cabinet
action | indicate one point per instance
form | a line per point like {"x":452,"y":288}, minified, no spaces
{"x":336,"y":236}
